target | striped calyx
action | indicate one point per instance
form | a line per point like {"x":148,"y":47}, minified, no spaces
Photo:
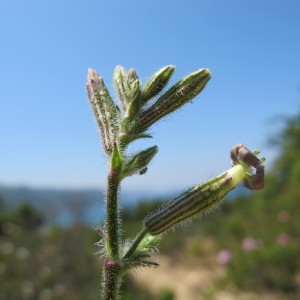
{"x":202,"y":197}
{"x":156,"y":83}
{"x":178,"y":95}
{"x":191,"y":203}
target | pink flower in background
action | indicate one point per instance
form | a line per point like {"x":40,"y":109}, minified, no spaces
{"x":250,"y":243}
{"x":224,"y":256}
{"x":282,"y":239}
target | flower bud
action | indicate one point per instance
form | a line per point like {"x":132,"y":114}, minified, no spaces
{"x":127,"y":86}
{"x":132,"y":76}
{"x":135,"y":104}
{"x":156,"y":83}
{"x":104,"y":109}
{"x":181,"y":93}
{"x":119,"y":79}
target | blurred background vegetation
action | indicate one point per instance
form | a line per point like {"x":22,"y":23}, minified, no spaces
{"x":253,"y":239}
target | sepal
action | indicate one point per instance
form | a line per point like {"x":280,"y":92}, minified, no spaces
{"x":138,"y":162}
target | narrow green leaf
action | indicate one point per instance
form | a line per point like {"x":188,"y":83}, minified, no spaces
{"x":138,"y":161}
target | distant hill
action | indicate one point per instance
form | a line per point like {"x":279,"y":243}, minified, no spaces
{"x":66,"y":206}
{"x":58,"y":205}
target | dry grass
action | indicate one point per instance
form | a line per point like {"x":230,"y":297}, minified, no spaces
{"x":194,"y":280}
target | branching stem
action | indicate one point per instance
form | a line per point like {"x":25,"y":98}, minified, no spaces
{"x":120,"y":129}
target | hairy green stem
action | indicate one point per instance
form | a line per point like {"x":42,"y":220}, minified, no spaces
{"x":111,"y":279}
{"x":112,"y":267}
{"x":112,"y":221}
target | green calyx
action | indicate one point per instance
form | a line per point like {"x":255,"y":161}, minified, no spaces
{"x":127,"y":86}
{"x":203,"y":197}
{"x":194,"y":201}
{"x":134,"y":98}
{"x":156,"y":83}
{"x":178,"y":95}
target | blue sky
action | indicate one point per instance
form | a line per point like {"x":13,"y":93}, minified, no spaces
{"x":48,"y":133}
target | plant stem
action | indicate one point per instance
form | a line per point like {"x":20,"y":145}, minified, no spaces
{"x":111,"y":279}
{"x":112,"y":221}
{"x":111,"y":265}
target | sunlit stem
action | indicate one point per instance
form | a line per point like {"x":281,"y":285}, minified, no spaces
{"x":111,"y":280}
{"x":112,"y":220}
